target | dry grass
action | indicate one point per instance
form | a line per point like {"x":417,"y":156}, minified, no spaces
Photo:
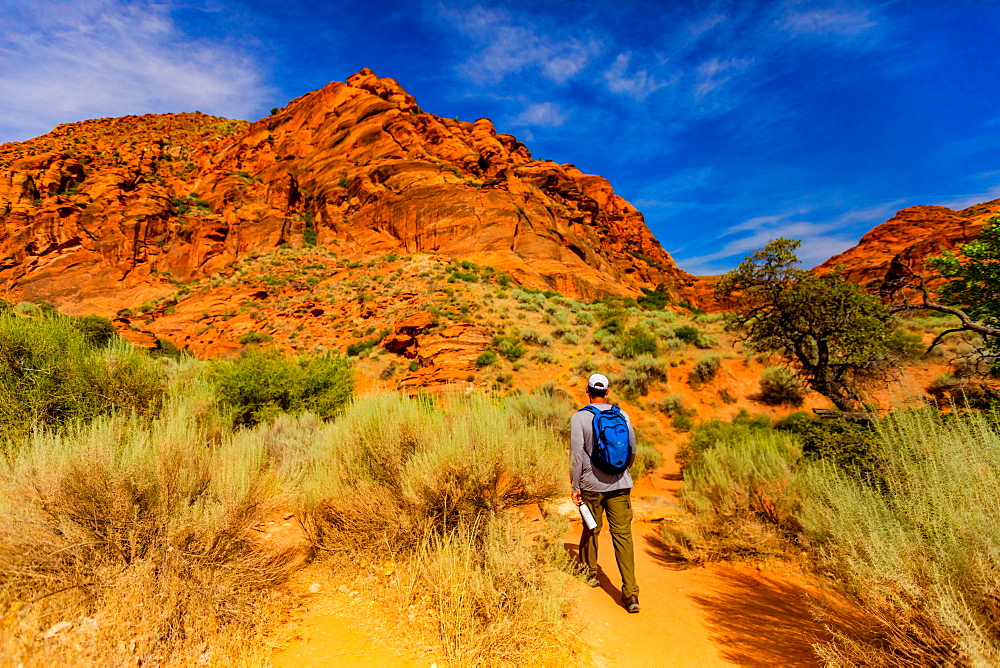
{"x":406,"y":481}
{"x":136,"y":540}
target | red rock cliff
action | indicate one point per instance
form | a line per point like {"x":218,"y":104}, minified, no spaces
{"x":910,"y":236}
{"x":97,"y":214}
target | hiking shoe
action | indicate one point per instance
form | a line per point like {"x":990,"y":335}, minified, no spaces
{"x":592,"y":581}
{"x":631,"y":603}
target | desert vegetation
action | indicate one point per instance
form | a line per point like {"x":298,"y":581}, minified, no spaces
{"x":899,"y":513}
{"x":167,"y":495}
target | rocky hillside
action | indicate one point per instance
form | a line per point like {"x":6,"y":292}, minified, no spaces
{"x":110,"y":213}
{"x":910,"y":236}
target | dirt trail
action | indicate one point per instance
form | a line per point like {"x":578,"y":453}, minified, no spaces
{"x":331,"y":639}
{"x":713,"y":616}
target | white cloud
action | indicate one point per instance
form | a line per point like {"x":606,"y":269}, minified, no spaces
{"x":820,"y":239}
{"x":717,"y":72}
{"x":66,"y":61}
{"x":638,"y":84}
{"x":959,"y":203}
{"x":509,"y":47}
{"x":543,"y":114}
{"x":834,"y":22}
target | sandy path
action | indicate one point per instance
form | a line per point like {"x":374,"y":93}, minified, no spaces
{"x":330,"y":639}
{"x":716,"y":616}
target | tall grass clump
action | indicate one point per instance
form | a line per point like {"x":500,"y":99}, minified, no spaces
{"x":432,"y":486}
{"x":704,"y":370}
{"x":545,"y":406}
{"x":56,"y":370}
{"x":911,"y":536}
{"x":742,"y":495}
{"x":919,"y":550}
{"x":135,"y":539}
{"x":640,"y":373}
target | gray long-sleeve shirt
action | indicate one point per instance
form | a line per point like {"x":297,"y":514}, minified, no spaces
{"x":582,"y":473}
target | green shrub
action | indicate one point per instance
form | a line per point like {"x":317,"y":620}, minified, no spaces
{"x":359,"y":348}
{"x":545,"y":357}
{"x":683,"y":422}
{"x":918,"y":551}
{"x":258,"y":385}
{"x":672,"y":404}
{"x":486,"y":358}
{"x":704,"y":370}
{"x":647,"y":458}
{"x":637,"y":341}
{"x":161,"y":510}
{"x":393,"y":471}
{"x":847,"y":445}
{"x":687,"y":333}
{"x":740,"y":495}
{"x":705,"y":342}
{"x":253,"y":336}
{"x":779,"y":385}
{"x":96,"y":330}
{"x":546,"y":406}
{"x":509,"y":347}
{"x":712,"y":433}
{"x":529,"y":335}
{"x":639,"y":374}
{"x":53,"y":374}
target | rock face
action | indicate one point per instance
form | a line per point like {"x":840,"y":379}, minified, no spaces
{"x":909,"y":236}
{"x":105,"y":214}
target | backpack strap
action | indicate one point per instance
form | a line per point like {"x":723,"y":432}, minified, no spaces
{"x":595,"y":427}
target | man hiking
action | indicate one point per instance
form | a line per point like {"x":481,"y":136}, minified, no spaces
{"x":599,"y":472}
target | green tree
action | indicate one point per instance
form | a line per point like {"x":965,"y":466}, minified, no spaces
{"x":837,"y":338}
{"x":973,"y":287}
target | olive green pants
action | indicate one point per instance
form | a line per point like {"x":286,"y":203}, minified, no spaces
{"x":618,"y":505}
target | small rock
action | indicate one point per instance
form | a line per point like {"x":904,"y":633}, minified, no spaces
{"x":289,"y":516}
{"x":315,"y":587}
{"x":88,"y":625}
{"x":58,"y":627}
{"x":343,"y":589}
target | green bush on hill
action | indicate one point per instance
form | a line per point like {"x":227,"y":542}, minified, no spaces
{"x":258,"y":385}
{"x":56,"y":370}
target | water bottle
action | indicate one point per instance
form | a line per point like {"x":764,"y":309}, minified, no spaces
{"x":587,"y":517}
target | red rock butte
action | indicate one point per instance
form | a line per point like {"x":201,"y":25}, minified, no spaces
{"x":94,"y":213}
{"x":909,"y":237}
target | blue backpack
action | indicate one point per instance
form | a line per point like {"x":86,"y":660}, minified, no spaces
{"x":611,"y":440}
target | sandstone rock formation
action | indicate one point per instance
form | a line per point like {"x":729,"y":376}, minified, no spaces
{"x":106,"y":214}
{"x":909,"y":236}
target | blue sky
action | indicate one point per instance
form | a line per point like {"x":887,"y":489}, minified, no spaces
{"x":725,"y":123}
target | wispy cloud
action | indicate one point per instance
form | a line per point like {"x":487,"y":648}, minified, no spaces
{"x":542,"y":114}
{"x":638,"y":84}
{"x":835,"y":22}
{"x":67,"y":61}
{"x":964,"y":201}
{"x":821,"y":239}
{"x":716,"y":72}
{"x":507,"y":46}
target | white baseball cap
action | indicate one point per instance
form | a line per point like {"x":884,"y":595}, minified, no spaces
{"x":598,"y":382}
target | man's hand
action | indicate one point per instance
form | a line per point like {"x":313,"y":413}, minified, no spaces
{"x":576,"y":497}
